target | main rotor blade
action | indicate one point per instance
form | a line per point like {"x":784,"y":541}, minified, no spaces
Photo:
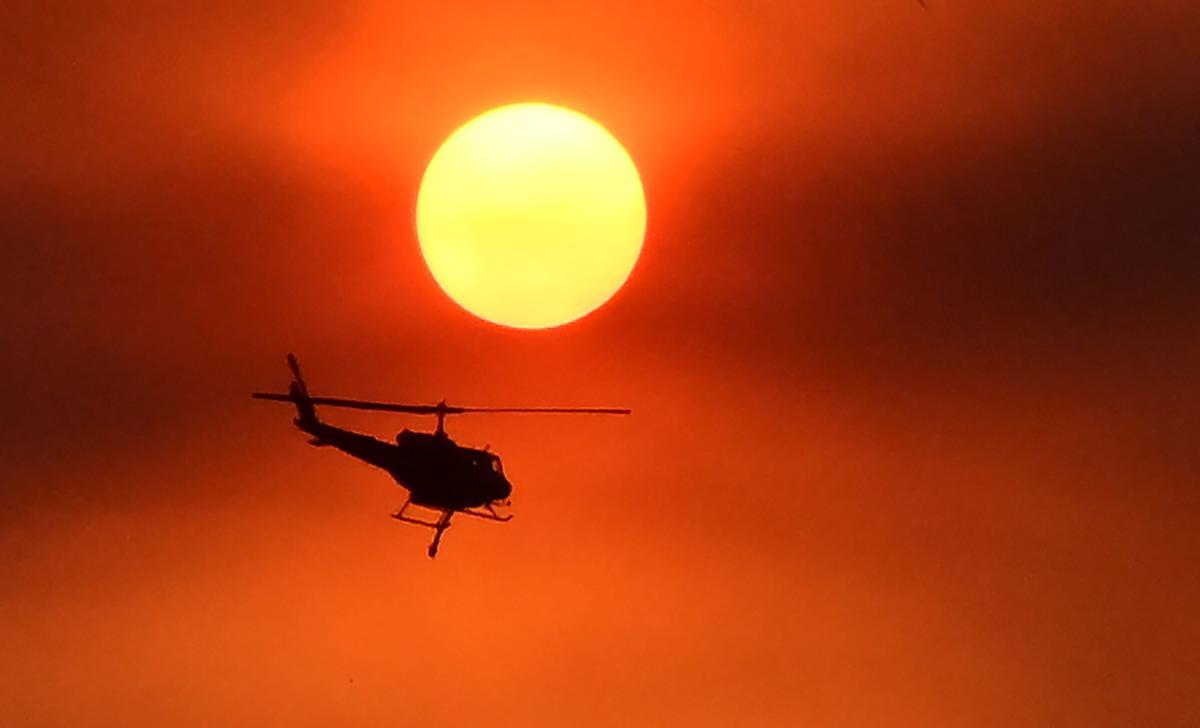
{"x":360,"y":404}
{"x":543,"y":410}
{"x":433,"y":409}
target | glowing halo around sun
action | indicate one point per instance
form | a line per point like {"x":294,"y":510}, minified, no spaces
{"x":531,"y":215}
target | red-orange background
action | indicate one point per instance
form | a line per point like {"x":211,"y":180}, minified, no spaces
{"x":911,"y":348}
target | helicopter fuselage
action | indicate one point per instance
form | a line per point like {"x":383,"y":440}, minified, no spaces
{"x":441,"y":473}
{"x":438,"y":472}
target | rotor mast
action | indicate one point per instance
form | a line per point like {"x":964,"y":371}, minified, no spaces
{"x":441,"y":411}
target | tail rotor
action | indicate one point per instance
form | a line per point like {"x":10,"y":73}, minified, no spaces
{"x":306,"y":413}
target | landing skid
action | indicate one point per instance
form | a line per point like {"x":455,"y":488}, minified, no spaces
{"x":443,"y":521}
{"x":490,"y":514}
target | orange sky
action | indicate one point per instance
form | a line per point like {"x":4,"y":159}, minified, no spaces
{"x":911,"y":350}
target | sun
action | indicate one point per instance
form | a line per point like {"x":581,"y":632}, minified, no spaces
{"x":531,"y":215}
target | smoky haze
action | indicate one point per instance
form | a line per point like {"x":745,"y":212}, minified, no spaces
{"x":911,"y":352}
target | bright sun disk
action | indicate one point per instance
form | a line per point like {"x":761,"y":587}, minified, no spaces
{"x":531,"y":215}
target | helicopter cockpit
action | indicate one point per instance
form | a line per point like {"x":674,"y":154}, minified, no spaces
{"x":487,"y":461}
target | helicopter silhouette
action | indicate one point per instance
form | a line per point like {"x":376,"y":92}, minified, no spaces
{"x":438,"y":473}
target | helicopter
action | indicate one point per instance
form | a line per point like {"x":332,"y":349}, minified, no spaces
{"x":439,"y":474}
